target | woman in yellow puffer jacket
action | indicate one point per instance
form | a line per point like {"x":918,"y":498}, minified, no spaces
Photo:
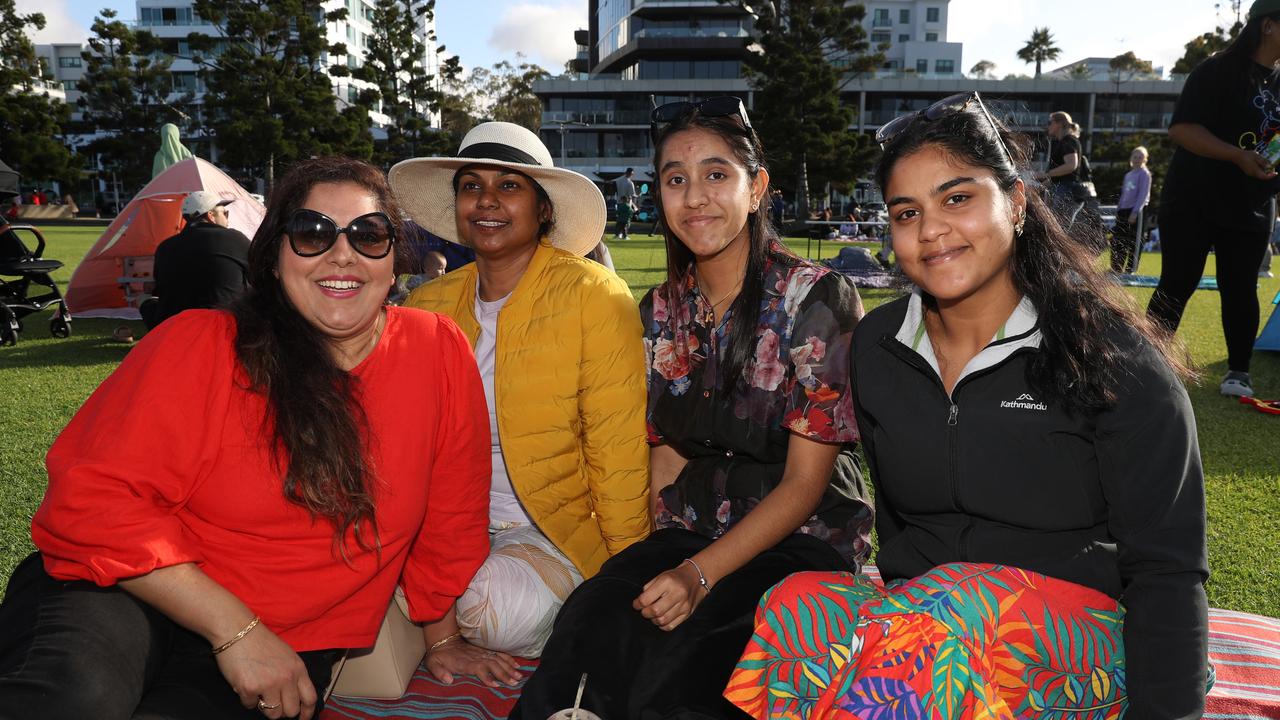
{"x":558,"y":342}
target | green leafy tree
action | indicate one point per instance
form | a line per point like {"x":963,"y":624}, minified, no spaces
{"x":1039,"y":49}
{"x":1079,"y":71}
{"x":1126,"y":68}
{"x":270,"y":98}
{"x":125,"y":98}
{"x":983,"y":70}
{"x":1202,"y":46}
{"x":809,"y":49}
{"x":30,"y":120}
{"x":506,"y":92}
{"x":393,"y":63}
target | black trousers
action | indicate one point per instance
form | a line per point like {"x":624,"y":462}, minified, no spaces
{"x":640,"y":672}
{"x":1124,"y":243}
{"x":73,"y":650}
{"x":1185,"y":241}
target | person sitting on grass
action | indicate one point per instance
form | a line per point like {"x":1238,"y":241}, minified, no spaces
{"x":1040,"y":500}
{"x":234,"y":506}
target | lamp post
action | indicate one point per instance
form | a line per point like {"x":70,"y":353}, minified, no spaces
{"x":564,"y":130}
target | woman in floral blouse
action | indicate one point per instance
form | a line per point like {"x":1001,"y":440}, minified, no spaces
{"x":751,"y":430}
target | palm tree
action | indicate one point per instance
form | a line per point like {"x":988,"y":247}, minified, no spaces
{"x":1039,"y":48}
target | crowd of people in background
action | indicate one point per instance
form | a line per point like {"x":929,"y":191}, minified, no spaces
{"x":432,"y":380}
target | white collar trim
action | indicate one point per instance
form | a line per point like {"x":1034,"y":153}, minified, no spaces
{"x":1021,"y":326}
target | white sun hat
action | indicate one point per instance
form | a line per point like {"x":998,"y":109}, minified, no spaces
{"x":424,"y":186}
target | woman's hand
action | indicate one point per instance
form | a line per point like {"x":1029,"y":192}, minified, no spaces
{"x":1253,"y":165}
{"x":459,"y":657}
{"x":1133,"y":218}
{"x":671,"y":598}
{"x":261,"y":667}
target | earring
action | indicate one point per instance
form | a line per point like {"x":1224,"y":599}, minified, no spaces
{"x":1019,"y":225}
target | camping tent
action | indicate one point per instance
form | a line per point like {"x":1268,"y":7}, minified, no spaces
{"x":115,"y":271}
{"x":8,"y":181}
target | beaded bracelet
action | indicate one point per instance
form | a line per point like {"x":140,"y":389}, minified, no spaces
{"x":702,"y":579}
{"x":443,"y":641}
{"x":238,"y":636}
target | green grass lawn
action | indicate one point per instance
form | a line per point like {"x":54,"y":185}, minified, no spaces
{"x":44,"y":381}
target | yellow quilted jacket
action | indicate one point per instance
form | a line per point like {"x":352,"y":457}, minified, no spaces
{"x":569,"y":382}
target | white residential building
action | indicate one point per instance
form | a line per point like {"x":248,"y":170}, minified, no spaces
{"x":174,"y":20}
{"x":916,"y":34}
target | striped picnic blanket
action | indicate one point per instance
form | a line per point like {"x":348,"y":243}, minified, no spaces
{"x":1244,"y":650}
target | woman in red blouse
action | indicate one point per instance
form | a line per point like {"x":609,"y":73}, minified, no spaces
{"x":236,"y":503}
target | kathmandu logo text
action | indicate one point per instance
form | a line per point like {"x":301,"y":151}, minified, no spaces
{"x":1024,"y":402}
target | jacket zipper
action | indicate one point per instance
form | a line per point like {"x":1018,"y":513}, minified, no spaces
{"x":914,"y":359}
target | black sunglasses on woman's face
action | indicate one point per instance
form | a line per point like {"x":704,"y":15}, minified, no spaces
{"x":719,"y":106}
{"x":946,"y":106}
{"x":312,"y":233}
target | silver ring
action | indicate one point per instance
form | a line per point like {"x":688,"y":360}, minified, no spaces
{"x":490,"y":653}
{"x":264,"y":705}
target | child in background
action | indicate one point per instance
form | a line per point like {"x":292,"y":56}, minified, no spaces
{"x":1135,"y":193}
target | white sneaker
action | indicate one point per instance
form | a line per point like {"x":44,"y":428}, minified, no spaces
{"x":1236,"y":384}
{"x":1265,"y":274}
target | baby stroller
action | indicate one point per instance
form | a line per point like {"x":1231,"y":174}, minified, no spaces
{"x":21,"y":272}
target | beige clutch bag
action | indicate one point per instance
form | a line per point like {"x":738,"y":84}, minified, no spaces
{"x":383,"y":671}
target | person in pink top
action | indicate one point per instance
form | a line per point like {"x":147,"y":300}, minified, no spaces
{"x":1135,"y":193}
{"x":234,"y":506}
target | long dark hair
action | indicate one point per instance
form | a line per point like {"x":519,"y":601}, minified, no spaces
{"x":1246,"y":43}
{"x":764,"y":245}
{"x":1080,"y":309}
{"x":315,"y":418}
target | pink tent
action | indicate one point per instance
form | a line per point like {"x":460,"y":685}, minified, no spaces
{"x":115,"y":274}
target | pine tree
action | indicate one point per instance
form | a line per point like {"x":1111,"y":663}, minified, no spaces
{"x":125,"y":98}
{"x":808,"y":49}
{"x":30,"y":120}
{"x":269,"y":98}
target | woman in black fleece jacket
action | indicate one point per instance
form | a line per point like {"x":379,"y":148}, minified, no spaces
{"x":1039,"y":492}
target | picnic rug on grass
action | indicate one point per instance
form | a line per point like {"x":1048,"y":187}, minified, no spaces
{"x":1244,"y":650}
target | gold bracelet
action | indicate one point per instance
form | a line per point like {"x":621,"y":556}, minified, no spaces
{"x":702,"y":579}
{"x":239,"y":636}
{"x":443,"y":641}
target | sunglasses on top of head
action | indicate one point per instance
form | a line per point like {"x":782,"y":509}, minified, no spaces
{"x":943,"y":108}
{"x":312,"y":233}
{"x":720,"y":106}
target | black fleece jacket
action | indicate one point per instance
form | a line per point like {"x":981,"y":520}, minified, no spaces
{"x":999,"y":473}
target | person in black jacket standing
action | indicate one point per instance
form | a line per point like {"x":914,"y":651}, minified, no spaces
{"x":203,"y":266}
{"x":1039,"y":492}
{"x":1217,"y":193}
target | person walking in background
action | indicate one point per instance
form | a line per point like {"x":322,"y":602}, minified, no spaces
{"x":1134,"y":195}
{"x":626,"y":203}
{"x":203,"y":266}
{"x":1218,"y":191}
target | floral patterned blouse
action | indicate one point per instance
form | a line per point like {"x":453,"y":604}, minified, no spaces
{"x":797,"y":382}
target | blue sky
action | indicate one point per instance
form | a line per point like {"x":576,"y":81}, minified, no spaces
{"x":483,"y":32}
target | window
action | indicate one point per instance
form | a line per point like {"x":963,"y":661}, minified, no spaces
{"x":69,"y":62}
{"x":904,"y":37}
{"x":879,"y":37}
{"x":922,"y":66}
{"x":881,"y":18}
{"x":69,"y":85}
{"x":904,"y":17}
{"x":931,"y":14}
{"x":931,"y":37}
{"x":945,"y":67}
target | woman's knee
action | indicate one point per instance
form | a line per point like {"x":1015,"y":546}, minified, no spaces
{"x":512,"y":601}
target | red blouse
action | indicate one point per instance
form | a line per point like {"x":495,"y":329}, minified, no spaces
{"x":169,"y":462}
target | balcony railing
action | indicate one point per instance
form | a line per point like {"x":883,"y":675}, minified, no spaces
{"x":603,"y":117}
